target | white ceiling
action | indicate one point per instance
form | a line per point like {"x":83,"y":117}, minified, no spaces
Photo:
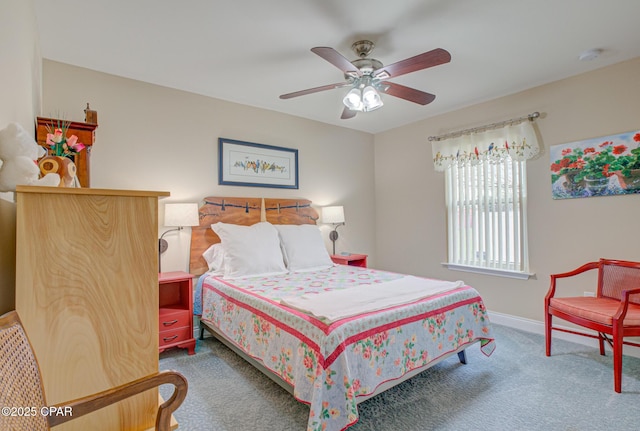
{"x":251,"y":51}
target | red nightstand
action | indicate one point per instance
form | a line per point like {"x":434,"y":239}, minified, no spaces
{"x":352,"y":259}
{"x":176,"y":311}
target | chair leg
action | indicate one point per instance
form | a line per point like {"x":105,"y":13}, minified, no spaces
{"x":601,"y":342}
{"x":547,"y":333}
{"x":617,"y":361}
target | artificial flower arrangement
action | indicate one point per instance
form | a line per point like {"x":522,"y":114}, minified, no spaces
{"x":61,"y":144}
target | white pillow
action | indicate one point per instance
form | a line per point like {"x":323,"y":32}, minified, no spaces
{"x":214,"y":256}
{"x":250,"y":250}
{"x":303,"y":247}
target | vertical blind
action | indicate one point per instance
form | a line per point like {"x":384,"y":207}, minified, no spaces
{"x":486,"y":205}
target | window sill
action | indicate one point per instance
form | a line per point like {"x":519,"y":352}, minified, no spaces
{"x":489,"y":271}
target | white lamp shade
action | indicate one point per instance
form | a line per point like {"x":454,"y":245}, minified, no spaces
{"x":353,"y":100}
{"x":333,"y":215}
{"x":371,"y":99}
{"x":181,"y":214}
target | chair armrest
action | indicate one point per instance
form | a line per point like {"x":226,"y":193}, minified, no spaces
{"x":91,"y":403}
{"x":584,"y":268}
{"x":624,"y":305}
{"x":626,"y":293}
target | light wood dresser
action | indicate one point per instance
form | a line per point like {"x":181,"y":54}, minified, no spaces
{"x":87,"y":294}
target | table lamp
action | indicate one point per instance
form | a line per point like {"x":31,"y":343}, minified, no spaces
{"x":178,"y":216}
{"x":335,"y":216}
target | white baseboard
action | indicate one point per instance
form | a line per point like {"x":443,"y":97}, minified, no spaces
{"x":537,"y":327}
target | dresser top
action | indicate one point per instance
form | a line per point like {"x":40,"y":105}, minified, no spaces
{"x":89,"y":191}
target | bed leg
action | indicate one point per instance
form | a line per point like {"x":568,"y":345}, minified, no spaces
{"x":201,"y":331}
{"x":462,"y":355}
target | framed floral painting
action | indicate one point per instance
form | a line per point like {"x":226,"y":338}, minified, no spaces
{"x":604,"y":166}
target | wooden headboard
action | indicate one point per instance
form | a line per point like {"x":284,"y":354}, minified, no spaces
{"x":289,"y":211}
{"x":242,"y":211}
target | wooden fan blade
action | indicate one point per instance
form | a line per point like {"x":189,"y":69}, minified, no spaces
{"x":338,"y":60}
{"x":419,"y":62}
{"x":314,"y":90}
{"x":408,"y":93}
{"x":347,"y":113}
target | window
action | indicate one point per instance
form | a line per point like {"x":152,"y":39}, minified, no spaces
{"x":486,"y":213}
{"x":486,"y":200}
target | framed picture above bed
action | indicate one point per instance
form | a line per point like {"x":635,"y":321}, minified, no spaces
{"x":256,"y":165}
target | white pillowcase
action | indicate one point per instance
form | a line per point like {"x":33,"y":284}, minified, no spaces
{"x":214,"y":256}
{"x":250,"y":250}
{"x":303,"y":247}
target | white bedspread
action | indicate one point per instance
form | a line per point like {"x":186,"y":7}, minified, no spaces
{"x":339,"y":304}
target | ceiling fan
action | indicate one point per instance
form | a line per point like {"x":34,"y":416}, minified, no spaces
{"x":368,"y":77}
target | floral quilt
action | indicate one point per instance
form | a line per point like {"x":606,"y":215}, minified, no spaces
{"x":330,"y":365}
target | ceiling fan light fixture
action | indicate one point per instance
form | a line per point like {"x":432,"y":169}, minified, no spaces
{"x":353,"y":99}
{"x":371,"y":100}
{"x":367,"y":77}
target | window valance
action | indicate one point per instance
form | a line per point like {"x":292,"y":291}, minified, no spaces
{"x":516,"y":141}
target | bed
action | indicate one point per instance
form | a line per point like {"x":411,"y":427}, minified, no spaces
{"x":329,"y":334}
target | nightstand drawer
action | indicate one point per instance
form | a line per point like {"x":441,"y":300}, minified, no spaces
{"x":175,"y":336}
{"x":169,"y":318}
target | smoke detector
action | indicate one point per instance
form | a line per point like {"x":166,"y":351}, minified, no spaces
{"x":590,"y":54}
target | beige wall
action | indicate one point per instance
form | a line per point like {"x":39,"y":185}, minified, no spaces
{"x":20,"y":68}
{"x":155,"y":138}
{"x":20,"y":64}
{"x":563,"y":234}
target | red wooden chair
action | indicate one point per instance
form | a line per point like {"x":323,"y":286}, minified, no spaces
{"x":614,"y":313}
